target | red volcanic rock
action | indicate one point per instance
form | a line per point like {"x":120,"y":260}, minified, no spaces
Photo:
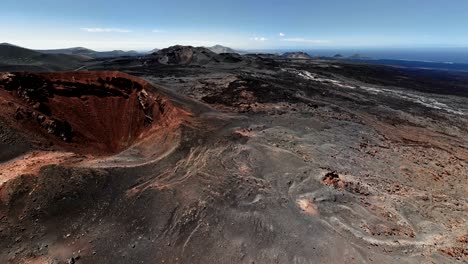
{"x":333,"y":179}
{"x":102,"y":112}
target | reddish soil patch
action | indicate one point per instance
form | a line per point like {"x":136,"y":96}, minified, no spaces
{"x":97,"y":112}
{"x":30,"y":164}
{"x":463,"y":239}
{"x":333,"y":179}
{"x":456,"y":252}
{"x":307,"y":206}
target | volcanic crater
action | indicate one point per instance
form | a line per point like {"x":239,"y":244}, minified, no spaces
{"x":98,"y":112}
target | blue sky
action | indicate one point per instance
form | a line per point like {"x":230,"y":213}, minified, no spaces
{"x":243,"y":24}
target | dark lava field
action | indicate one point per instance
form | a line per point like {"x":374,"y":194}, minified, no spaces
{"x":187,"y":156}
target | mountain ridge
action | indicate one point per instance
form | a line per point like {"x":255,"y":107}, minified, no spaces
{"x":22,"y":58}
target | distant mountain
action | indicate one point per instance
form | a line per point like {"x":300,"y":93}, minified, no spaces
{"x":7,"y":44}
{"x":13,"y":54}
{"x":71,"y":51}
{"x":296,"y":55}
{"x":17,"y":58}
{"x":188,"y":55}
{"x":358,"y":57}
{"x":117,"y":53}
{"x":91,"y":53}
{"x":221,"y":49}
{"x":185,"y":55}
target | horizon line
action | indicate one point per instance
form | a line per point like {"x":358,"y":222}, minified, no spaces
{"x":253,"y":49}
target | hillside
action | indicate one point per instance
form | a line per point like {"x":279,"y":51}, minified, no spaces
{"x":297,"y":55}
{"x":20,"y":58}
{"x":221,"y":49}
{"x":70,"y":51}
{"x":92,"y":53}
{"x":180,"y":55}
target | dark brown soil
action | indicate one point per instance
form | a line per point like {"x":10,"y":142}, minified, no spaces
{"x":255,"y":160}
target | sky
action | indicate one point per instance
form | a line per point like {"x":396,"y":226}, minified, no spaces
{"x":241,"y":24}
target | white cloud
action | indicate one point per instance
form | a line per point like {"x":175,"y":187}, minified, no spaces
{"x":106,"y":30}
{"x":281,"y":34}
{"x":259,"y":39}
{"x":315,"y":41}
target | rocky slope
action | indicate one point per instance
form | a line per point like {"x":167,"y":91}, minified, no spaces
{"x":263,"y":161}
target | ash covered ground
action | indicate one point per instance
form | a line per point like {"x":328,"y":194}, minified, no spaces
{"x":192,"y":157}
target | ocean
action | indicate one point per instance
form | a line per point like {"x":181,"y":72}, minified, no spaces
{"x":444,"y":55}
{"x":451,"y":59}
